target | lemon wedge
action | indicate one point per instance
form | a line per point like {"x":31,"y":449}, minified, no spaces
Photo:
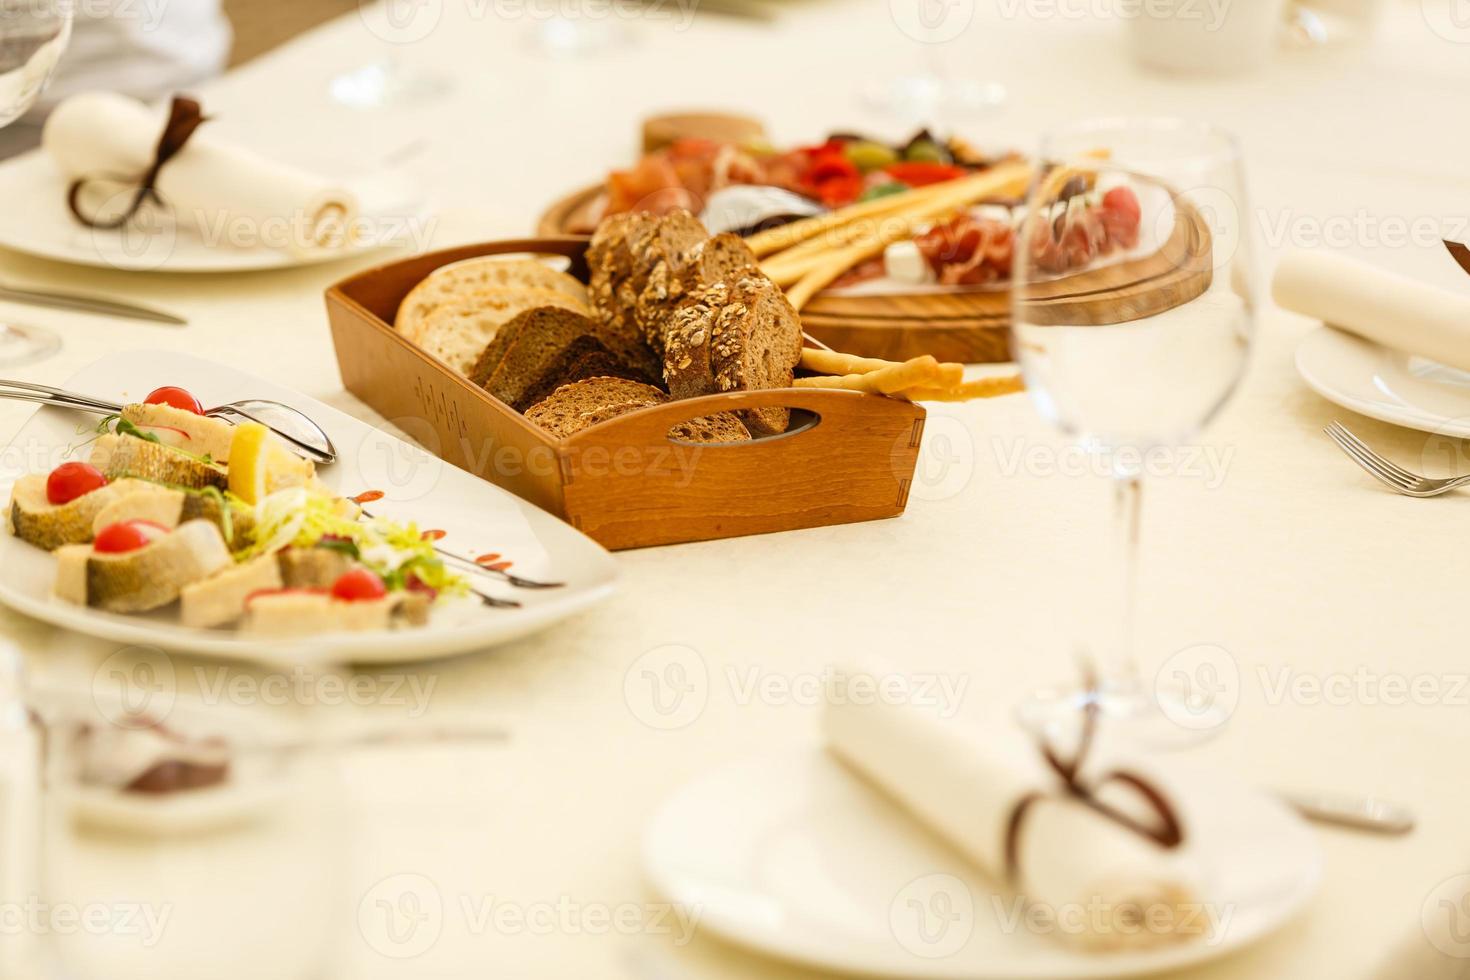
{"x":250,"y":453}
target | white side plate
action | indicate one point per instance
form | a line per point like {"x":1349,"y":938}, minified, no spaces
{"x":1385,"y":384}
{"x":478,"y":517}
{"x":797,"y":857}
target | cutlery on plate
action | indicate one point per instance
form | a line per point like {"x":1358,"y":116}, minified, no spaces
{"x":500,"y":573}
{"x":516,"y":580}
{"x":304,"y":436}
{"x":1395,"y":477}
{"x":88,"y":304}
{"x":1357,"y":812}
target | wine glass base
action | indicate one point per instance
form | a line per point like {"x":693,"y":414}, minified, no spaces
{"x":1163,"y":720}
{"x":25,"y":345}
{"x":925,"y":97}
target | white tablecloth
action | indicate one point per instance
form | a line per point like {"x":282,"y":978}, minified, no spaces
{"x":1271,"y":545}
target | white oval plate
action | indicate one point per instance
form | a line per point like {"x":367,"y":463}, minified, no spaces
{"x":795,"y":856}
{"x":1385,"y":384}
{"x":478,"y":517}
{"x":35,"y":221}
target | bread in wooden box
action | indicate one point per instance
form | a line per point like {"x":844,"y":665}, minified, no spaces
{"x":735,"y":335}
{"x":852,"y":460}
{"x":583,"y":404}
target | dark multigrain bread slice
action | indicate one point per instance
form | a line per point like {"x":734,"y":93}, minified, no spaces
{"x":574,"y":407}
{"x":538,"y":350}
{"x":724,"y":256}
{"x":721,"y":427}
{"x":667,"y":244}
{"x":737,"y":334}
{"x":586,"y":357}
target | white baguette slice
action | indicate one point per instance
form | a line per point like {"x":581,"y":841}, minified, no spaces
{"x":465,"y":279}
{"x":458,"y":331}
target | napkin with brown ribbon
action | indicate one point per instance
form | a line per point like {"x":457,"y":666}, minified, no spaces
{"x":122,"y":158}
{"x":1097,"y":845}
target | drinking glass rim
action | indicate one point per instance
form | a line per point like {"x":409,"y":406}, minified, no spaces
{"x":1225,"y":148}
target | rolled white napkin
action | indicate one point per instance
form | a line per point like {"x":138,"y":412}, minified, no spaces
{"x":1102,"y":885}
{"x":1381,"y":306}
{"x":227,"y":190}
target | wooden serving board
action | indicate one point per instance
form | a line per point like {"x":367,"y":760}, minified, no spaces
{"x":973,"y":325}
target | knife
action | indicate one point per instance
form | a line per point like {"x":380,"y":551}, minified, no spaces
{"x":1357,"y":812}
{"x":88,"y":304}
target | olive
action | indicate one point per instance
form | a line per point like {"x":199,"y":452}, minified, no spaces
{"x":868,"y":156}
{"x":926,"y":151}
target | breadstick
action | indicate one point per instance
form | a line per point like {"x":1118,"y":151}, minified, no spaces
{"x":849,"y":382}
{"x":920,"y":372}
{"x":978,"y":388}
{"x":785,"y":236}
{"x":1010,"y":178}
{"x":836,"y":362}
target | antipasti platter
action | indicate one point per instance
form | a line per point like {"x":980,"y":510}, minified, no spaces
{"x":900,"y":250}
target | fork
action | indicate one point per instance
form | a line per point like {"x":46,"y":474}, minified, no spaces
{"x":1395,"y":477}
{"x":302,"y":435}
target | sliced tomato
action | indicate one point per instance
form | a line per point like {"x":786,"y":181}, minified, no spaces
{"x":125,"y":536}
{"x":72,"y":480}
{"x":836,"y":192}
{"x":357,"y":585}
{"x":174,"y":398}
{"x":831,"y":166}
{"x":921,"y":173}
{"x":1123,"y":200}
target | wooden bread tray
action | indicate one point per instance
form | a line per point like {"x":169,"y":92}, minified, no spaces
{"x":847,"y":457}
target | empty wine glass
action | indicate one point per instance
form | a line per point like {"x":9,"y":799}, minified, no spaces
{"x":33,"y":35}
{"x":1134,"y":361}
{"x":931,"y":94}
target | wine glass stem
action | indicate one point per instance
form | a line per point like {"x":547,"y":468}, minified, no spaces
{"x":1122,"y":667}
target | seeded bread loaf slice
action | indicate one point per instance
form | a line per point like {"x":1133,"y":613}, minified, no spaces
{"x":583,"y":404}
{"x":621,"y":258}
{"x":736,"y":334}
{"x":457,"y":331}
{"x":610,"y":263}
{"x":458,"y":280}
{"x":724,"y":256}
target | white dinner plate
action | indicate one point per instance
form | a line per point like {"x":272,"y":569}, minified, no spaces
{"x":478,"y":517}
{"x":35,"y":220}
{"x":795,"y":856}
{"x":1385,"y":384}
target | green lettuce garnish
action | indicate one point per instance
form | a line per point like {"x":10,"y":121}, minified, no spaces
{"x":397,"y":553}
